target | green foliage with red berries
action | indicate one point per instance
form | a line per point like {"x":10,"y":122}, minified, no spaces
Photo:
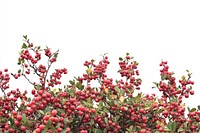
{"x":109,"y":107}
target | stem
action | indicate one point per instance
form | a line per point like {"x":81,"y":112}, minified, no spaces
{"x":26,"y":77}
{"x":34,"y":68}
{"x":49,"y":65}
{"x":3,"y":89}
{"x":3,"y":92}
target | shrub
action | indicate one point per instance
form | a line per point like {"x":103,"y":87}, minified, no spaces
{"x":109,"y":107}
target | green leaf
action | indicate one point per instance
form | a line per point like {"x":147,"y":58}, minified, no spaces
{"x":55,"y":55}
{"x":193,"y":109}
{"x":47,"y":110}
{"x":188,"y":109}
{"x":106,"y":120}
{"x":121,"y":92}
{"x":174,"y":126}
{"x":163,"y":77}
{"x":41,"y":112}
{"x":100,"y":103}
{"x":27,"y":131}
{"x":174,"y":99}
{"x":138,"y":97}
{"x":130,"y":129}
{"x":19,"y":61}
{"x":169,"y":125}
{"x":24,"y":46}
{"x":29,"y":99}
{"x":63,"y":131}
{"x":37,"y":87}
{"x":72,"y":82}
{"x":65,"y":121}
{"x":159,"y":111}
{"x":79,"y":86}
{"x":91,"y":122}
{"x":11,"y":121}
{"x":166,"y":129}
{"x":48,"y":124}
{"x":25,"y":36}
{"x":98,"y":131}
{"x":25,"y":120}
{"x":44,"y":130}
{"x":117,"y":118}
{"x":120,"y":58}
{"x":58,"y":125}
{"x":71,"y":92}
{"x":180,"y":130}
{"x":198,"y":107}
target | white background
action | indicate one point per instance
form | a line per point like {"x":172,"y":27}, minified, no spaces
{"x":82,"y":30}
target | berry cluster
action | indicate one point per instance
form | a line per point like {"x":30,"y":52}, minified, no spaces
{"x":84,"y":107}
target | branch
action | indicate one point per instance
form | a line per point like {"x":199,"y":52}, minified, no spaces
{"x":49,"y":65}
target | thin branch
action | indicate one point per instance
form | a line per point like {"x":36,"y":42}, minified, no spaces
{"x":27,"y":79}
{"x":49,"y":65}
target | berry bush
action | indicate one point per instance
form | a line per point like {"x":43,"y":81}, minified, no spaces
{"x":81,"y":107}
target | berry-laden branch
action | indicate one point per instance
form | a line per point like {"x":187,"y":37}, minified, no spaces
{"x":109,"y":105}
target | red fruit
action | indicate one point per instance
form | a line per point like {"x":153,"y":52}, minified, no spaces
{"x":19,"y":117}
{"x":23,"y":128}
{"x":83,"y":131}
{"x":144,"y":119}
{"x":191,"y":92}
{"x":41,"y":127}
{"x":6,"y":126}
{"x":46,"y":117}
{"x":16,"y":122}
{"x":165,"y":112}
{"x":54,"y":112}
{"x":109,"y":122}
{"x":186,"y":95}
{"x":33,"y":107}
{"x":37,"y":130}
{"x":143,"y":131}
{"x":161,"y":129}
{"x":118,"y":127}
{"x":68,"y":130}
{"x":87,"y":116}
{"x":93,"y":110}
{"x":6,"y":70}
{"x":81,"y":108}
{"x":72,"y":100}
{"x":59,"y":129}
{"x":40,"y":92}
{"x":142,"y":111}
{"x":14,"y":112}
{"x":80,"y":113}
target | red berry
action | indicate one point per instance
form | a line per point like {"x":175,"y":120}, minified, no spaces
{"x":192,"y":92}
{"x":23,"y":128}
{"x":37,"y":130}
{"x":54,"y":112}
{"x":186,"y":95}
{"x":143,"y":131}
{"x":19,"y":117}
{"x":41,"y":127}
